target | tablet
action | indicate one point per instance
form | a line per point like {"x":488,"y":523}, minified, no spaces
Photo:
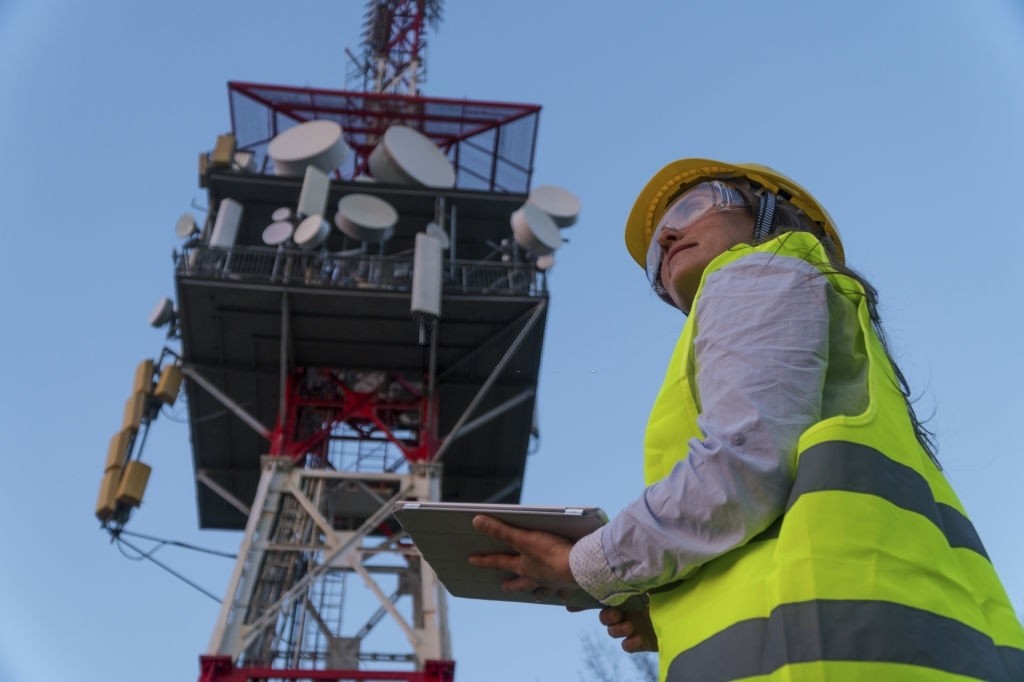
{"x":444,"y":534}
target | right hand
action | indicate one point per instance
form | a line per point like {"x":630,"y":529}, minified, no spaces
{"x":633,"y":627}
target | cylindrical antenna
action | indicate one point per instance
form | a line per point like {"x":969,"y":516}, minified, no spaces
{"x":426,"y":277}
{"x":225,"y":227}
{"x":313,"y":196}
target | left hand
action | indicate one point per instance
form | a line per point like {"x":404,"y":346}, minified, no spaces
{"x":542,"y":564}
{"x":634,"y":628}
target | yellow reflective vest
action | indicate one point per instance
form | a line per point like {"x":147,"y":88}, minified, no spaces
{"x":873,"y":572}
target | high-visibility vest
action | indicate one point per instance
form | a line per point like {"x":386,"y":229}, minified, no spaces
{"x":873,"y":572}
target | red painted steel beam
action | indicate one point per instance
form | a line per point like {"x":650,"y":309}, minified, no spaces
{"x":365,"y":412}
{"x":249,"y":88}
{"x":221,"y":669}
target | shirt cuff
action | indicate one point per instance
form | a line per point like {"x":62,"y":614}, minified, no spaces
{"x":592,"y":572}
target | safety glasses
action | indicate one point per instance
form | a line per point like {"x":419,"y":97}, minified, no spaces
{"x":694,"y":204}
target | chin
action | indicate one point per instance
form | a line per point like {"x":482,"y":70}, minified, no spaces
{"x":680,"y":295}
{"x":680,"y":303}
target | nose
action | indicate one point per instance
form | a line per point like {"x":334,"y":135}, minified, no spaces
{"x":667,"y":235}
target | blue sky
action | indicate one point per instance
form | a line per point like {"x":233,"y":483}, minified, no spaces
{"x":904,"y":118}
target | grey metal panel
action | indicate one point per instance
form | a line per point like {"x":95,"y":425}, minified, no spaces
{"x":232,"y":334}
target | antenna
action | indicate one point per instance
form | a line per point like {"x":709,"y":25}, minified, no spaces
{"x":560,"y":204}
{"x":312,"y":232}
{"x":365,"y":218}
{"x":163,"y":313}
{"x":393,"y":43}
{"x":436,"y":231}
{"x":534,"y":230}
{"x":426,"y":280}
{"x":319,"y":143}
{"x":186,"y":226}
{"x":407,"y":157}
{"x":278,"y":233}
{"x":313,"y":197}
{"x":225,"y":226}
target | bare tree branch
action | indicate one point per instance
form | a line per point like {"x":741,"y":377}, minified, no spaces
{"x":602,"y":661}
{"x":646,"y":665}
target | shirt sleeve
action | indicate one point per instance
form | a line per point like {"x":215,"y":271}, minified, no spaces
{"x":761,"y":353}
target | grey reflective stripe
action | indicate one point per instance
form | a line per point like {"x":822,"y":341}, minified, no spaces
{"x":827,"y":630}
{"x":840,"y":465}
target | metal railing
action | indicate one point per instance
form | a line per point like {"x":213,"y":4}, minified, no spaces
{"x":296,"y":267}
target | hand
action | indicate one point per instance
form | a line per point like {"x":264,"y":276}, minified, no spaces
{"x":541,"y":565}
{"x":634,"y":627}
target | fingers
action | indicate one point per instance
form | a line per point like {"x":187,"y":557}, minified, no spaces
{"x":636,"y":635}
{"x":542,"y":557}
{"x":520,"y":584}
{"x":618,"y":625}
{"x":634,"y":644}
{"x":524,"y":541}
{"x":623,"y":629}
{"x":541,"y":593}
{"x":505,"y":562}
{"x":495,"y":528}
{"x":611,"y":615}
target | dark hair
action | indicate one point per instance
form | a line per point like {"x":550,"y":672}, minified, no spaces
{"x":789,"y":218}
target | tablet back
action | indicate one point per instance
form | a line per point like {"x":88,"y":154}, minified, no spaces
{"x":444,"y":534}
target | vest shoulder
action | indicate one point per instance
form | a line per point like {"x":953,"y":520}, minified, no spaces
{"x":760,"y":277}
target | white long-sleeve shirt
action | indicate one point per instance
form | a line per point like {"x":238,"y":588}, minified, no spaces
{"x":761,"y":353}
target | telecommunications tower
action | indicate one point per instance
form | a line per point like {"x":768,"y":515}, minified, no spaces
{"x":360,"y":318}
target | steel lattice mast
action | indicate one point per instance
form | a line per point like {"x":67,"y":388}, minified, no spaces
{"x":316,"y":401}
{"x":393,"y":44}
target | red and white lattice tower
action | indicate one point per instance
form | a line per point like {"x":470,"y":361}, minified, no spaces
{"x":316,"y":400}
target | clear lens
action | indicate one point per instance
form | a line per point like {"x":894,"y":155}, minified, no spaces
{"x":694,"y":204}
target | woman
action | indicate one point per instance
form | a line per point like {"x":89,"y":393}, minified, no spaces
{"x":796,"y":525}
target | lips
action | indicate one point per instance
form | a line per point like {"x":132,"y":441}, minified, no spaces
{"x":677,"y":248}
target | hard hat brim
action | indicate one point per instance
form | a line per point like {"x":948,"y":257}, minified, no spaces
{"x":678,"y":176}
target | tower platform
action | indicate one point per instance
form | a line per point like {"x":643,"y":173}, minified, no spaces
{"x":251,"y":313}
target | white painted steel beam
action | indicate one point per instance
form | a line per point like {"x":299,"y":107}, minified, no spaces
{"x":225,"y":494}
{"x":192,"y":373}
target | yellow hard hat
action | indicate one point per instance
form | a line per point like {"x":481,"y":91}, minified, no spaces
{"x":678,"y":176}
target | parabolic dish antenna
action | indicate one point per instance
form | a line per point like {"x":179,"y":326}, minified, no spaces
{"x":365,"y":217}
{"x":545,"y":262}
{"x":186,"y":226}
{"x":283,"y":213}
{"x":312,"y":232}
{"x":314,"y":143}
{"x":560,"y":204}
{"x":277,"y":233}
{"x":407,"y":157}
{"x":162,"y":313}
{"x":534,"y":230}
